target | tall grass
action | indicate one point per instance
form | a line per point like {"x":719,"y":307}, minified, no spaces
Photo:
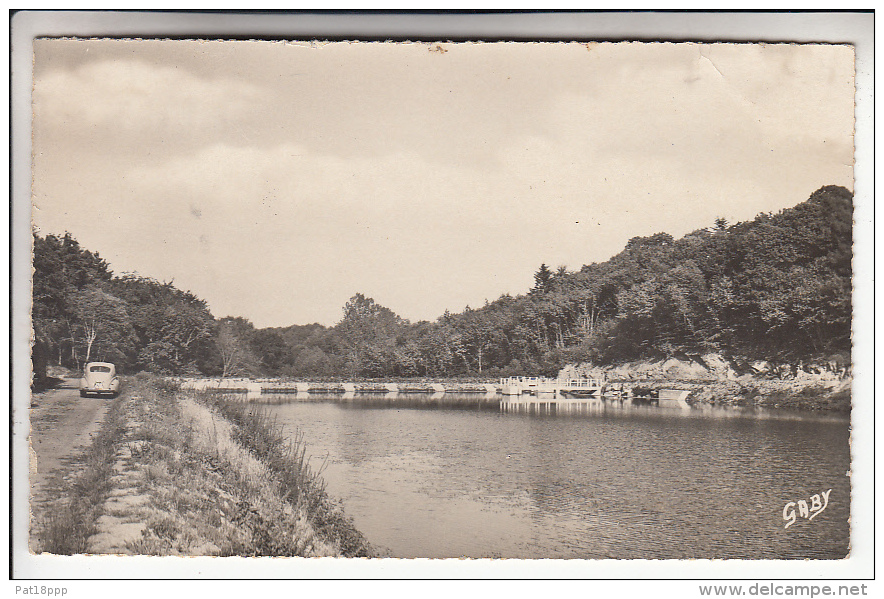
{"x":301,"y":485}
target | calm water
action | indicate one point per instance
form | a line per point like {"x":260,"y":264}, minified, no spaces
{"x":599,"y":482}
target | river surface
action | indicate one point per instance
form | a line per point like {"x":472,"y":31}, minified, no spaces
{"x":601,"y":480}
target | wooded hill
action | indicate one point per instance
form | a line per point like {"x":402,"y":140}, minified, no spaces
{"x":775,"y":288}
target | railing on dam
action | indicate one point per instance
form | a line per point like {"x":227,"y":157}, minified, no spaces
{"x":515,"y":385}
{"x":258,"y":386}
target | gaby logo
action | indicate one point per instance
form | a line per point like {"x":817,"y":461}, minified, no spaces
{"x":818,"y":504}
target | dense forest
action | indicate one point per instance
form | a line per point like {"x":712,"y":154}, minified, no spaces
{"x":777,"y":287}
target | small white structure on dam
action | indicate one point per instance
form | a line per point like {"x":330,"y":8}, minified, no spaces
{"x":517,"y":385}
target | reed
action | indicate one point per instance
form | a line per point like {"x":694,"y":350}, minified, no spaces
{"x":301,"y":485}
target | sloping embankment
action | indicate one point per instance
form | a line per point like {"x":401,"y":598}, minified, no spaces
{"x":186,"y":480}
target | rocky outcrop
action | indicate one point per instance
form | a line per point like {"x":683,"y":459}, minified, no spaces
{"x":712,"y":378}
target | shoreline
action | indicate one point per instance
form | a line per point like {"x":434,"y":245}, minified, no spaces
{"x":810,"y":393}
{"x":761,"y":393}
{"x":716,"y":380}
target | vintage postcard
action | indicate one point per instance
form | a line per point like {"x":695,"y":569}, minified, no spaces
{"x":509,"y":301}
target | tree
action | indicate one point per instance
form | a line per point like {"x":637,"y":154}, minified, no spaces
{"x":180,"y":342}
{"x":776,"y":286}
{"x":368,"y":330}
{"x":312,"y":361}
{"x":542,"y":279}
{"x":101,"y":326}
{"x":232,"y":338}
{"x":61,"y":268}
{"x":475,"y":335}
{"x":271,"y":350}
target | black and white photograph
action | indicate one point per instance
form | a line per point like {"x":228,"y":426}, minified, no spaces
{"x":481,"y":301}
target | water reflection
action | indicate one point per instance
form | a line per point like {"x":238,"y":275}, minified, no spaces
{"x":457,"y":476}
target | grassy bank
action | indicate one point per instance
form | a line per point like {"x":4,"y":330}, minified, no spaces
{"x":183,"y":473}
{"x":287,"y":462}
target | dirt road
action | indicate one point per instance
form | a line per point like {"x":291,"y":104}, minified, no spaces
{"x":62,"y":426}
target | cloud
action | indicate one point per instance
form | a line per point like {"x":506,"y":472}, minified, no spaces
{"x":129,"y":104}
{"x":340,"y":100}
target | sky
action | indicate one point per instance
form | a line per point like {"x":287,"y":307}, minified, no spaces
{"x":275,"y":179}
